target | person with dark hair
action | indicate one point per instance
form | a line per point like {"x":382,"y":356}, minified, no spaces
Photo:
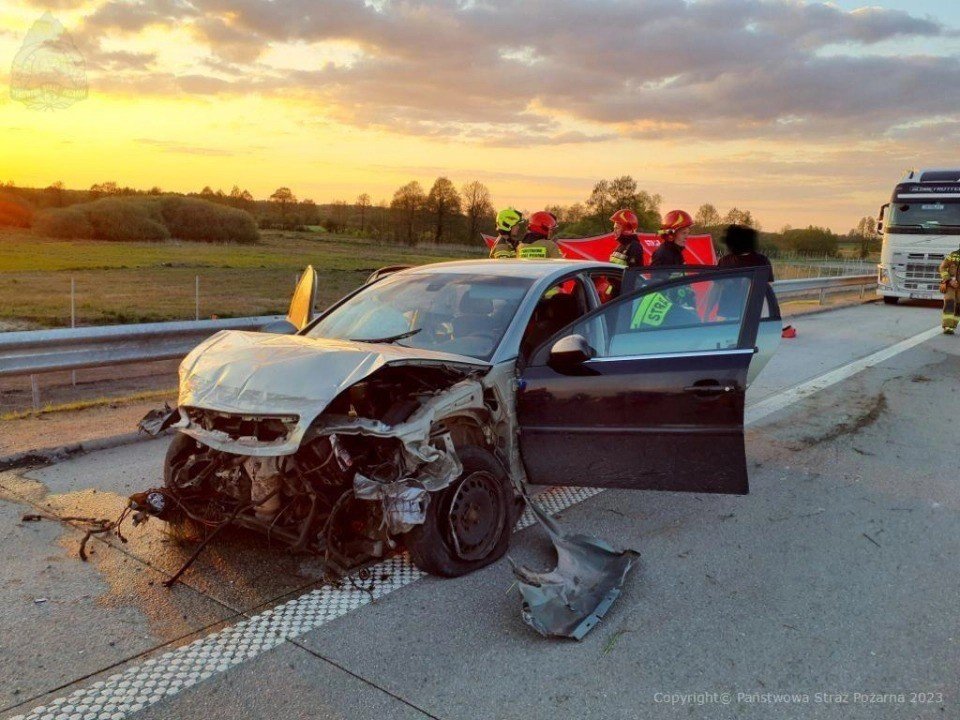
{"x":741,"y":242}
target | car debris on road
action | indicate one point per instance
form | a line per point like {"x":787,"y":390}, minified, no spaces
{"x":571,"y":599}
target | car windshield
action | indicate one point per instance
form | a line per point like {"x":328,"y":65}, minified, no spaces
{"x":460,"y":313}
{"x":926,"y":214}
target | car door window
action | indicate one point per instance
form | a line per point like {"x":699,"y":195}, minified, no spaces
{"x":689,"y":316}
{"x":559,"y":306}
{"x":607,"y":285}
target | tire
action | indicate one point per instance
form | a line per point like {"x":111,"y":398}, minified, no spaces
{"x":890,"y":299}
{"x":485,"y":515}
{"x":181,"y":444}
{"x":181,"y":527}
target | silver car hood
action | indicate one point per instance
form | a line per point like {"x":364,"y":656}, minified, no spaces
{"x":250,"y":373}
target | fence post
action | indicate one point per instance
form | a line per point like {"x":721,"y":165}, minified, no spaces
{"x":35,"y":389}
{"x":196,"y":297}
{"x":73,"y":319}
{"x":822,"y":292}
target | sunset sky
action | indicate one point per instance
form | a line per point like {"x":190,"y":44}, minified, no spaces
{"x":801,"y":112}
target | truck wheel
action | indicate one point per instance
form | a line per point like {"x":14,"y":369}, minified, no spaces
{"x":469,"y":522}
{"x":890,"y":299}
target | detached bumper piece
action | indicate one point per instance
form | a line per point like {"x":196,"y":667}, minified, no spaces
{"x":570,"y":600}
{"x":156,"y":421}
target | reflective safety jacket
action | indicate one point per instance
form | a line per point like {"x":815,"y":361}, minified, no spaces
{"x":503,"y":248}
{"x":651,"y":311}
{"x":629,"y":252}
{"x":950,"y":267}
{"x":535,"y":246}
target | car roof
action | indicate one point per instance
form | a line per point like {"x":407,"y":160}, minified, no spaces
{"x":533,"y":269}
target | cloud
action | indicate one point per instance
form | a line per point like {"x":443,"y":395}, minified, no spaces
{"x":119,"y":60}
{"x":585,"y":72}
{"x":179,"y":147}
{"x":56,"y":4}
{"x":131,"y":17}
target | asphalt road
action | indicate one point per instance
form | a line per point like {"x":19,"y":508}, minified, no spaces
{"x":829,"y":591}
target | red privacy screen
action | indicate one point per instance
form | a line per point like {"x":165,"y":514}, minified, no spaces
{"x":699,"y":249}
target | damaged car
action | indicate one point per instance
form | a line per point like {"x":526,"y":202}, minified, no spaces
{"x":416,"y":411}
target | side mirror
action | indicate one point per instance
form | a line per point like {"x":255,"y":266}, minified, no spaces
{"x":883,"y":211}
{"x":570,"y":352}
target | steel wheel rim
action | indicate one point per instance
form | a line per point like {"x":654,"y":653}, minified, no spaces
{"x":476,"y":516}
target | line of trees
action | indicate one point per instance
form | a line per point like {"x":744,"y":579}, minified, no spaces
{"x":447,"y":214}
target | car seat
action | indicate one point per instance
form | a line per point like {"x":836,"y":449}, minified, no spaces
{"x":550,"y":315}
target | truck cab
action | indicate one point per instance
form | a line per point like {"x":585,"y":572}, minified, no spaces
{"x":920,"y":226}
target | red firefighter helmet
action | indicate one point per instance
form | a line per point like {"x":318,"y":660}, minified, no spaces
{"x":626,"y":219}
{"x":675,"y":220}
{"x":542,"y":222}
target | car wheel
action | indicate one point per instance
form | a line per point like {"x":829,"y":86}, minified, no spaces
{"x":178,"y":454}
{"x":178,"y":451}
{"x":468,"y":523}
{"x":891,"y":299}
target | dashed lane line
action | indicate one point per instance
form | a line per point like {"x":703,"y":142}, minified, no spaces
{"x":172,"y":672}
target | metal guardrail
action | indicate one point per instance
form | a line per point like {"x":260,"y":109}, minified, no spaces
{"x":34,"y":352}
{"x":823,"y":285}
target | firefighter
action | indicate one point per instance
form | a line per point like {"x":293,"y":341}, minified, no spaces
{"x":538,"y":242}
{"x":508,"y":231}
{"x":629,"y":252}
{"x":673,"y":233}
{"x":675,"y":303}
{"x":950,"y":287}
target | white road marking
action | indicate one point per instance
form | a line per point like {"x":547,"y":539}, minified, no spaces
{"x":170,"y":673}
{"x":757,"y":411}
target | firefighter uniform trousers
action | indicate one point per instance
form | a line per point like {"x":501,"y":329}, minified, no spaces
{"x":951,"y":308}
{"x":949,"y":270}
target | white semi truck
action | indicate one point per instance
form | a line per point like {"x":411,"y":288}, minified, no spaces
{"x":920,"y":225}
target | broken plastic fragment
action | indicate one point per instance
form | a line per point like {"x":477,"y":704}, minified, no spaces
{"x":570,"y":600}
{"x":156,"y":421}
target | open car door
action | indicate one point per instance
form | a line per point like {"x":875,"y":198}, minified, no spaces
{"x":647,"y":391}
{"x":304,"y":298}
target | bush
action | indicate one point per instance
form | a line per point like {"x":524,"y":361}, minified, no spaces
{"x":192,"y":219}
{"x":66,"y":223}
{"x":118,"y":219}
{"x":149,"y":219}
{"x":106,"y":219}
{"x":821,"y":241}
{"x":15,"y":211}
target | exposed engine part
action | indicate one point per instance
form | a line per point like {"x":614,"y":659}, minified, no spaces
{"x":264,"y":483}
{"x":361,"y":476}
{"x":404,"y":504}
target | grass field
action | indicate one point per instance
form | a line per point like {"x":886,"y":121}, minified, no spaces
{"x":141,"y":282}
